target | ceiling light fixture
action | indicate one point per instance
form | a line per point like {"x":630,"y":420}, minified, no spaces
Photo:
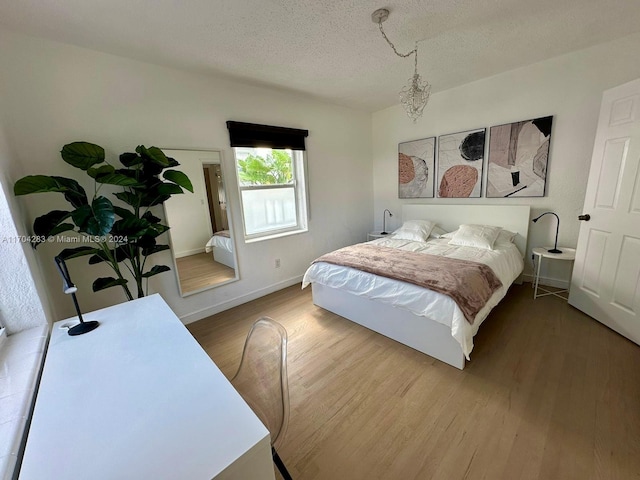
{"x":415,"y":94}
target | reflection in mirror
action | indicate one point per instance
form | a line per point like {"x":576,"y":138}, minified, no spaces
{"x":201,"y":240}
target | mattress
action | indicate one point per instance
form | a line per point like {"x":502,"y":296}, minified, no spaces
{"x":219,"y":241}
{"x":505,"y":260}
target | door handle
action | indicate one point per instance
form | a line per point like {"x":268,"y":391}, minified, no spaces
{"x":586,"y":217}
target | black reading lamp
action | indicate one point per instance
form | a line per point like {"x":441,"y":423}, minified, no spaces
{"x":555,"y":245}
{"x":69,"y":288}
{"x":384,"y":218}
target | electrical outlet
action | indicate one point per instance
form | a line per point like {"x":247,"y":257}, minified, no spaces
{"x":277,"y":263}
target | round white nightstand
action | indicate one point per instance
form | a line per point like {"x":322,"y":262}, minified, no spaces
{"x":374,"y":235}
{"x":568,"y":254}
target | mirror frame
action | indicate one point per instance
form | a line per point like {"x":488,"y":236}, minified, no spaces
{"x":223,"y":170}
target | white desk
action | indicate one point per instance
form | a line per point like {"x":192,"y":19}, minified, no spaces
{"x":568,"y":254}
{"x":138,"y":398}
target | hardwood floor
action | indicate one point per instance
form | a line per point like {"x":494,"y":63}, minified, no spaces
{"x":549,"y":394}
{"x":200,"y":271}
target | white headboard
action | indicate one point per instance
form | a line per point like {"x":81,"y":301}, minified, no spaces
{"x":449,"y":217}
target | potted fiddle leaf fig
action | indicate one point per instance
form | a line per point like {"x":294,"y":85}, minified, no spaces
{"x":123,"y":235}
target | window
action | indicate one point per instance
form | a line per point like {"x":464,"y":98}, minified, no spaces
{"x":270,"y":166}
{"x":272,"y":191}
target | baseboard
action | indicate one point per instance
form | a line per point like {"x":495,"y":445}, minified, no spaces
{"x":188,"y":253}
{"x":549,"y":282}
{"x":234,"y":302}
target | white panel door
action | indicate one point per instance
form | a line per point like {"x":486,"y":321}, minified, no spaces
{"x":606,"y":276}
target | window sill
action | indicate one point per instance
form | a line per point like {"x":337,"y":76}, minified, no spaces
{"x":276,"y":235}
{"x":21,"y":358}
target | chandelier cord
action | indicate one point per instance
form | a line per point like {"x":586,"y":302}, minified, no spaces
{"x":413,"y":52}
{"x":415,"y":94}
{"x":403,"y":55}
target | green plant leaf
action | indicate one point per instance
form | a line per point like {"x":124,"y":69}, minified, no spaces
{"x":129,"y":198}
{"x":157,"y":229}
{"x":130,"y":227}
{"x":154,"y":154}
{"x":37,"y":184}
{"x":172,"y":163}
{"x":102,"y":218}
{"x":119,"y":253}
{"x":130,"y":159}
{"x":102,"y":170}
{"x":96,"y":219}
{"x":82,"y":155}
{"x":123,"y":212}
{"x":169,"y":189}
{"x":63,"y":227}
{"x":151,"y":170}
{"x":148,"y":184}
{"x":129,"y":172}
{"x":117,"y":179}
{"x":107,"y":282}
{"x":150,"y":217}
{"x":71,"y":189}
{"x":155,"y":249}
{"x":148,"y":179}
{"x":45,"y":224}
{"x":178,"y":178}
{"x":155,"y":271}
{"x":68,"y":253}
{"x":73,"y":193}
{"x":81,"y":216}
{"x":98,"y":258}
{"x":152,"y":198}
{"x":146,"y":241}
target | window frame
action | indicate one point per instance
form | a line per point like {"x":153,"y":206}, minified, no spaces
{"x":300,"y":189}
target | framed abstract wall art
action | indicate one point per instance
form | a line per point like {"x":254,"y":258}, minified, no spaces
{"x":416,"y":168}
{"x":518,"y":158}
{"x":460,"y":163}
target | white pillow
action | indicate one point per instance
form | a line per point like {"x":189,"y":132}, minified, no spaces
{"x":437,"y":232}
{"x":414,"y":230}
{"x":505,"y":237}
{"x":479,"y":236}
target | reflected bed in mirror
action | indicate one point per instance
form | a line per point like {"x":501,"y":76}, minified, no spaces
{"x":201,"y":236}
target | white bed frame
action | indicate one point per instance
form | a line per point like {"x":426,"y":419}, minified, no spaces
{"x":426,"y":336}
{"x":224,"y":257}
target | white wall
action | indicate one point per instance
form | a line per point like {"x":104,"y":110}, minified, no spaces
{"x":20,"y":303}
{"x":568,"y":87}
{"x":53,"y":94}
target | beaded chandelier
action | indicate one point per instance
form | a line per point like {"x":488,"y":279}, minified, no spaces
{"x":415,"y":94}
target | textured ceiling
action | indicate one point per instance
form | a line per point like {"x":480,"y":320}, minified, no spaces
{"x":330,"y":49}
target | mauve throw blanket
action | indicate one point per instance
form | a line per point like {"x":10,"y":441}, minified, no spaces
{"x":469,"y":284}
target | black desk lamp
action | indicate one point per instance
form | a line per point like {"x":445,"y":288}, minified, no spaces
{"x":384,"y":218}
{"x":555,"y":245}
{"x":69,"y":288}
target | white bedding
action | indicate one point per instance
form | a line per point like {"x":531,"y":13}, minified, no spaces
{"x":219,"y":241}
{"x":506,"y":262}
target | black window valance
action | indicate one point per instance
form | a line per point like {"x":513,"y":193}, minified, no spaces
{"x":266,"y":136}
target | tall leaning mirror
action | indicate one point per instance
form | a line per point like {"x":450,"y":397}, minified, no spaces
{"x":201,"y":236}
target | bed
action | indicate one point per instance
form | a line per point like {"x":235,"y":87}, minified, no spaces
{"x":425,"y":320}
{"x":221,"y":245}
